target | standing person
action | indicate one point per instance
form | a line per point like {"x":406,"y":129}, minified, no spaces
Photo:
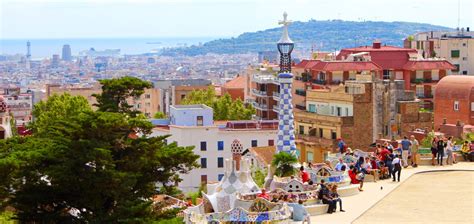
{"x":341,"y":146}
{"x":449,"y":151}
{"x":397,"y":167}
{"x":304,"y":175}
{"x":387,"y":160}
{"x":414,"y":151}
{"x":440,"y":146}
{"x":434,"y":150}
{"x":336,"y":197}
{"x":406,"y":145}
{"x":465,"y":151}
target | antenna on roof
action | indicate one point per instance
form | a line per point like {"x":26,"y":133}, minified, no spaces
{"x":459,"y":13}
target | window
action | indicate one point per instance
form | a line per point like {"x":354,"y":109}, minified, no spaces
{"x":457,"y":68}
{"x":309,"y":156}
{"x":435,"y":75}
{"x":455,"y":53}
{"x":139,"y":105}
{"x":203,"y":146}
{"x":220,"y":162}
{"x":203,"y":178}
{"x":333,"y":135}
{"x":347,"y":111}
{"x":420,"y":91}
{"x":386,"y":74}
{"x":321,"y":133}
{"x":301,"y":130}
{"x":312,"y":108}
{"x":220,"y":145}
{"x":199,"y":121}
{"x":472,"y":106}
{"x":271,"y":142}
{"x":464,"y":58}
{"x":147,"y":104}
{"x":456,"y":105}
{"x":220,"y":176}
{"x":332,"y":110}
{"x":419,"y":74}
{"x":147,"y":96}
{"x":203,"y":163}
{"x":464,"y":72}
{"x":339,"y":111}
{"x":254,"y":143}
{"x":183,"y":96}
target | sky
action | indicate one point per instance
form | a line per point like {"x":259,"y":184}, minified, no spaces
{"x":29,"y":19}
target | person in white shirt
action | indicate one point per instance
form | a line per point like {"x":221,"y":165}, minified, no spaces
{"x":449,"y":151}
{"x":339,"y":165}
{"x":397,"y":167}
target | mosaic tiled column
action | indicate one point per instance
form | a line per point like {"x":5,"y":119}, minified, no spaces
{"x":286,"y":126}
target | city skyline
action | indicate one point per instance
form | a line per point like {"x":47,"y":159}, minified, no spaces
{"x":39,"y":19}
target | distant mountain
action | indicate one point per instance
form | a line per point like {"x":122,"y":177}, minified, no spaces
{"x":323,"y":35}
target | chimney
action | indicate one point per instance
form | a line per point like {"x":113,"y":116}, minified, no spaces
{"x":376,"y":44}
{"x":237,"y":149}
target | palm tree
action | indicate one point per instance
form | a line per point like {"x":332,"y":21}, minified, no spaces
{"x":283,"y":162}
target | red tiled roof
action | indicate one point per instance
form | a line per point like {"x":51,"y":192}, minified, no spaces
{"x":428,"y":65}
{"x":307,"y":64}
{"x":388,"y":57}
{"x":345,"y":66}
{"x":236,"y":83}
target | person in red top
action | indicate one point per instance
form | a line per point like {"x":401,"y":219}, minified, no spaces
{"x":304,"y":175}
{"x":384,"y":153}
{"x":264,"y":194}
{"x":354,"y":180}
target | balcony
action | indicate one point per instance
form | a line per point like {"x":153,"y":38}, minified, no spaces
{"x":276,"y":95}
{"x":323,"y":142}
{"x":312,"y":118}
{"x":300,"y":92}
{"x":319,"y":82}
{"x":259,"y":93}
{"x":276,"y":108}
{"x":265,"y":79}
{"x":260,"y":106}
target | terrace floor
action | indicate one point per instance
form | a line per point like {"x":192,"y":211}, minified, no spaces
{"x":367,"y":206}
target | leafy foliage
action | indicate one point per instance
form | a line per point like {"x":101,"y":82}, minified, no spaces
{"x":426,"y":142}
{"x":159,"y":115}
{"x":224,"y":107}
{"x":88,"y":166}
{"x":328,"y":34}
{"x":258,"y":176}
{"x":283,"y":162}
{"x":116,"y":92}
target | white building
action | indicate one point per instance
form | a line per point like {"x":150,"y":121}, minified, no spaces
{"x":212,"y":140}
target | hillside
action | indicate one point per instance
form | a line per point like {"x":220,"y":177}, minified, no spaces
{"x":323,"y":35}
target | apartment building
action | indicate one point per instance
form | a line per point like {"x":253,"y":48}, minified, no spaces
{"x":20,"y":104}
{"x":360,"y":111}
{"x":193,"y":125}
{"x":455,"y":46}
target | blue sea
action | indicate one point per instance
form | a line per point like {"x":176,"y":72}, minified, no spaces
{"x":41,"y":48}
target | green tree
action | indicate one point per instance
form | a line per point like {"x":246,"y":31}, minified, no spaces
{"x":283,"y":163}
{"x":116,"y":92}
{"x":159,"y":115}
{"x":224,"y":107}
{"x":87,"y":166}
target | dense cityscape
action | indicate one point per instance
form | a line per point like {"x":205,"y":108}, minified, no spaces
{"x":233,"y":131}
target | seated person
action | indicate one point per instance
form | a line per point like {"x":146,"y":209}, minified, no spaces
{"x":368,"y":168}
{"x":264,"y":194}
{"x":340,"y":164}
{"x":335,"y":196}
{"x":299,"y":212}
{"x":275,"y":198}
{"x":325,"y":196}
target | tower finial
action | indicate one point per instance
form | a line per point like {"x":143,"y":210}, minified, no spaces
{"x":285,"y":46}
